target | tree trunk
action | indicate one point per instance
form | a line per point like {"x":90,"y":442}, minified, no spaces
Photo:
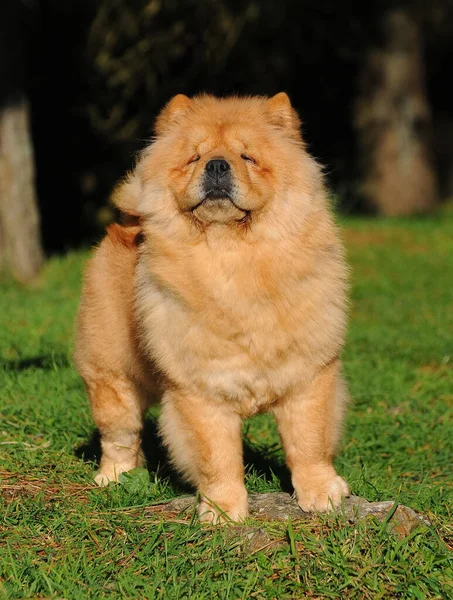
{"x":20,"y":245}
{"x":393,"y":124}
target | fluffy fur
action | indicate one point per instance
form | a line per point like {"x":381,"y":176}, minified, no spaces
{"x":222,"y":308}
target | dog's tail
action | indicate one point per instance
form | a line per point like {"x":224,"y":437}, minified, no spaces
{"x":129,"y":236}
{"x":125,"y":198}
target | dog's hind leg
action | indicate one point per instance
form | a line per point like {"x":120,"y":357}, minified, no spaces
{"x":118,"y":407}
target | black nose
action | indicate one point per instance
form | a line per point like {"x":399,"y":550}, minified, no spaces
{"x":217,"y":168}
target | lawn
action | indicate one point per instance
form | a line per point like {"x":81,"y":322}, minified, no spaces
{"x":62,"y":538}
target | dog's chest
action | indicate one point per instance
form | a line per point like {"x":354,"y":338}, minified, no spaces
{"x":226,"y":336}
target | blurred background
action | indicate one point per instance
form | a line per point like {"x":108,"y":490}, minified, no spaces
{"x":81,"y":82}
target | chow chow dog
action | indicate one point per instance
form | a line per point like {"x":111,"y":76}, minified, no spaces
{"x":224,"y":296}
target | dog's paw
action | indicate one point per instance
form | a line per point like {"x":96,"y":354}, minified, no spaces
{"x":211,"y":512}
{"x":108,"y":475}
{"x":110,"y":470}
{"x":323,"y":496}
{"x":102,"y":480}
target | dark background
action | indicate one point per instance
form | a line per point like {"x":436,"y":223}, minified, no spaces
{"x":96,"y":72}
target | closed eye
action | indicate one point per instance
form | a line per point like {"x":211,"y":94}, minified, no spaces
{"x":194,"y":159}
{"x":248,"y":158}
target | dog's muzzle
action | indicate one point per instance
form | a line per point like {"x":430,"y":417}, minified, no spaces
{"x":217,"y":182}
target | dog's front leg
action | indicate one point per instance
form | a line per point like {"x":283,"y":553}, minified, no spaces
{"x":309,"y":422}
{"x":204,"y":440}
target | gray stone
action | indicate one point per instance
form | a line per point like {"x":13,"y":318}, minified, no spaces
{"x":279,"y":506}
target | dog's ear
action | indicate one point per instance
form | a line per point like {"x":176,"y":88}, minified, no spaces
{"x":171,"y":113}
{"x":282,"y":114}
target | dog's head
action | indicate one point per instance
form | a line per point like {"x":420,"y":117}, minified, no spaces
{"x":221,"y":160}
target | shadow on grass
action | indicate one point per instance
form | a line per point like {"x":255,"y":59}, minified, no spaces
{"x":46,"y":362}
{"x":267,"y":466}
{"x":157,"y":459}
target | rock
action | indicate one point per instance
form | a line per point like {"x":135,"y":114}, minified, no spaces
{"x":183,"y":505}
{"x":401,"y":520}
{"x":279,"y":506}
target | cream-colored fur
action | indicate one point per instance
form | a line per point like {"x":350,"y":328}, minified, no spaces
{"x":225,"y":309}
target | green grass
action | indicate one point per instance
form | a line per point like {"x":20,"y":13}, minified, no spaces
{"x":62,"y":538}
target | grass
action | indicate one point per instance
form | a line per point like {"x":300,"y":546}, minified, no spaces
{"x":62,"y":538}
